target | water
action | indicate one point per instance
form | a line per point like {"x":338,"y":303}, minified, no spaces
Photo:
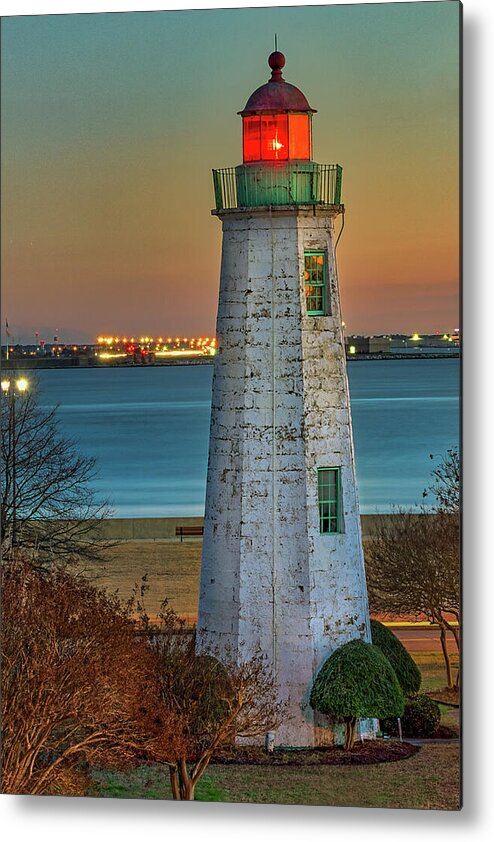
{"x":148,"y":429}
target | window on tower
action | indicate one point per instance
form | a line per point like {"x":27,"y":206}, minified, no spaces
{"x":329,"y":497}
{"x":315,"y":271}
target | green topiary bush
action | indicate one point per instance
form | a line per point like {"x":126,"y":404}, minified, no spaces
{"x":407,"y":671}
{"x":421,"y":718}
{"x":357,"y":681}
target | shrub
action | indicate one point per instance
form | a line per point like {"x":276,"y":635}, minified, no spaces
{"x":421,"y":718}
{"x":78,"y":685}
{"x":407,"y":671}
{"x":211,"y":702}
{"x":357,"y":681}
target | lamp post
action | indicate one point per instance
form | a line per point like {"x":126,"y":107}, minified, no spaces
{"x":13,"y":389}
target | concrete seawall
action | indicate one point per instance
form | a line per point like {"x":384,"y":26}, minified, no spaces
{"x":165,"y":528}
{"x":148,"y":528}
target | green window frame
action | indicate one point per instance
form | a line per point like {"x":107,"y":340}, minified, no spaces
{"x":329,"y":498}
{"x":315,"y":277}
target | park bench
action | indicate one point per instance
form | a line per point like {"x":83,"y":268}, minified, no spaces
{"x":186,"y":531}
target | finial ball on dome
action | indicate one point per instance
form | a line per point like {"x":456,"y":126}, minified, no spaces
{"x":276,"y":60}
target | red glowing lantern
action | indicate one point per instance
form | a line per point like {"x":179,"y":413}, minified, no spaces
{"x":277,"y":120}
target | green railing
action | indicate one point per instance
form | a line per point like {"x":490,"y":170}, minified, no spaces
{"x":305,"y":183}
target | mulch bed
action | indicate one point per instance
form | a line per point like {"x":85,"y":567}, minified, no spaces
{"x":446,"y":696}
{"x":362,"y":754}
{"x":444,"y":732}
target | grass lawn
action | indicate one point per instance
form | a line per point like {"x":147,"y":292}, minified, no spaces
{"x":429,"y":781}
{"x":431,"y":665}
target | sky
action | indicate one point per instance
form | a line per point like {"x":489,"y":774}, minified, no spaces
{"x":111,"y":124}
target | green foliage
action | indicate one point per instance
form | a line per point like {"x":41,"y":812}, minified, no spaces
{"x":357,"y":681}
{"x":421,"y":718}
{"x":209,"y":693}
{"x":407,"y":671}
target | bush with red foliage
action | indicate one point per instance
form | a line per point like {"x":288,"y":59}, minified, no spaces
{"x":77,"y":683}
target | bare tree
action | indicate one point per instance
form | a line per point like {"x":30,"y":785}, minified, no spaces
{"x":211,"y":702}
{"x":78,"y":684}
{"x":412,"y":560}
{"x":48,"y":505}
{"x":445,"y":486}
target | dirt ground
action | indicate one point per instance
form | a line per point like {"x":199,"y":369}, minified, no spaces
{"x":172,"y":569}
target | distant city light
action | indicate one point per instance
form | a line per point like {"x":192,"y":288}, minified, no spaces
{"x":186,"y":352}
{"x":113,"y":347}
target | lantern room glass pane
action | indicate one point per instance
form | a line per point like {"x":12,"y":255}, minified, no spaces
{"x":299,"y":134}
{"x":274,"y":137}
{"x":252,"y":138}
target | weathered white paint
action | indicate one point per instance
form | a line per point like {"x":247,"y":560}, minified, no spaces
{"x":280,"y":410}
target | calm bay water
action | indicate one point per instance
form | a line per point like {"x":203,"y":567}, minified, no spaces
{"x":148,"y":429}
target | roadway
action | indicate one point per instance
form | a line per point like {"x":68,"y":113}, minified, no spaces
{"x":422,"y":638}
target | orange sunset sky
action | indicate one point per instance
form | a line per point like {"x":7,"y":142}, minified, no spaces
{"x":111,"y":124}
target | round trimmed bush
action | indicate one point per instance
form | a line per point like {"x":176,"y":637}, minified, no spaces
{"x":407,"y":671}
{"x":421,"y":718}
{"x":356,"y":682}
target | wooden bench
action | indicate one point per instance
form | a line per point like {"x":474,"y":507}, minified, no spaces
{"x":185,"y":531}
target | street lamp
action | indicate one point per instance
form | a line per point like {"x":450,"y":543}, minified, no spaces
{"x":13,"y":389}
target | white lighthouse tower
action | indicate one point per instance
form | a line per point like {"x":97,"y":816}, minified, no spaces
{"x":282,"y":565}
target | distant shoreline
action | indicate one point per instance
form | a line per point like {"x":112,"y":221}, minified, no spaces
{"x":78,"y":363}
{"x":414,"y":355}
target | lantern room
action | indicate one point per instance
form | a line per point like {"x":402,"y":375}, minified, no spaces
{"x":277,"y":120}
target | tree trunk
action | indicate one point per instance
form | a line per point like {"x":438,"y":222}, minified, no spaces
{"x":174,"y":783}
{"x":447,"y":660}
{"x":187,"y":790}
{"x":456,"y":634}
{"x":186,"y":784}
{"x":350,"y":724}
{"x":455,"y":631}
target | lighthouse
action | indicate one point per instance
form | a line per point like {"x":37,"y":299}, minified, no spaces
{"x":282,"y":564}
